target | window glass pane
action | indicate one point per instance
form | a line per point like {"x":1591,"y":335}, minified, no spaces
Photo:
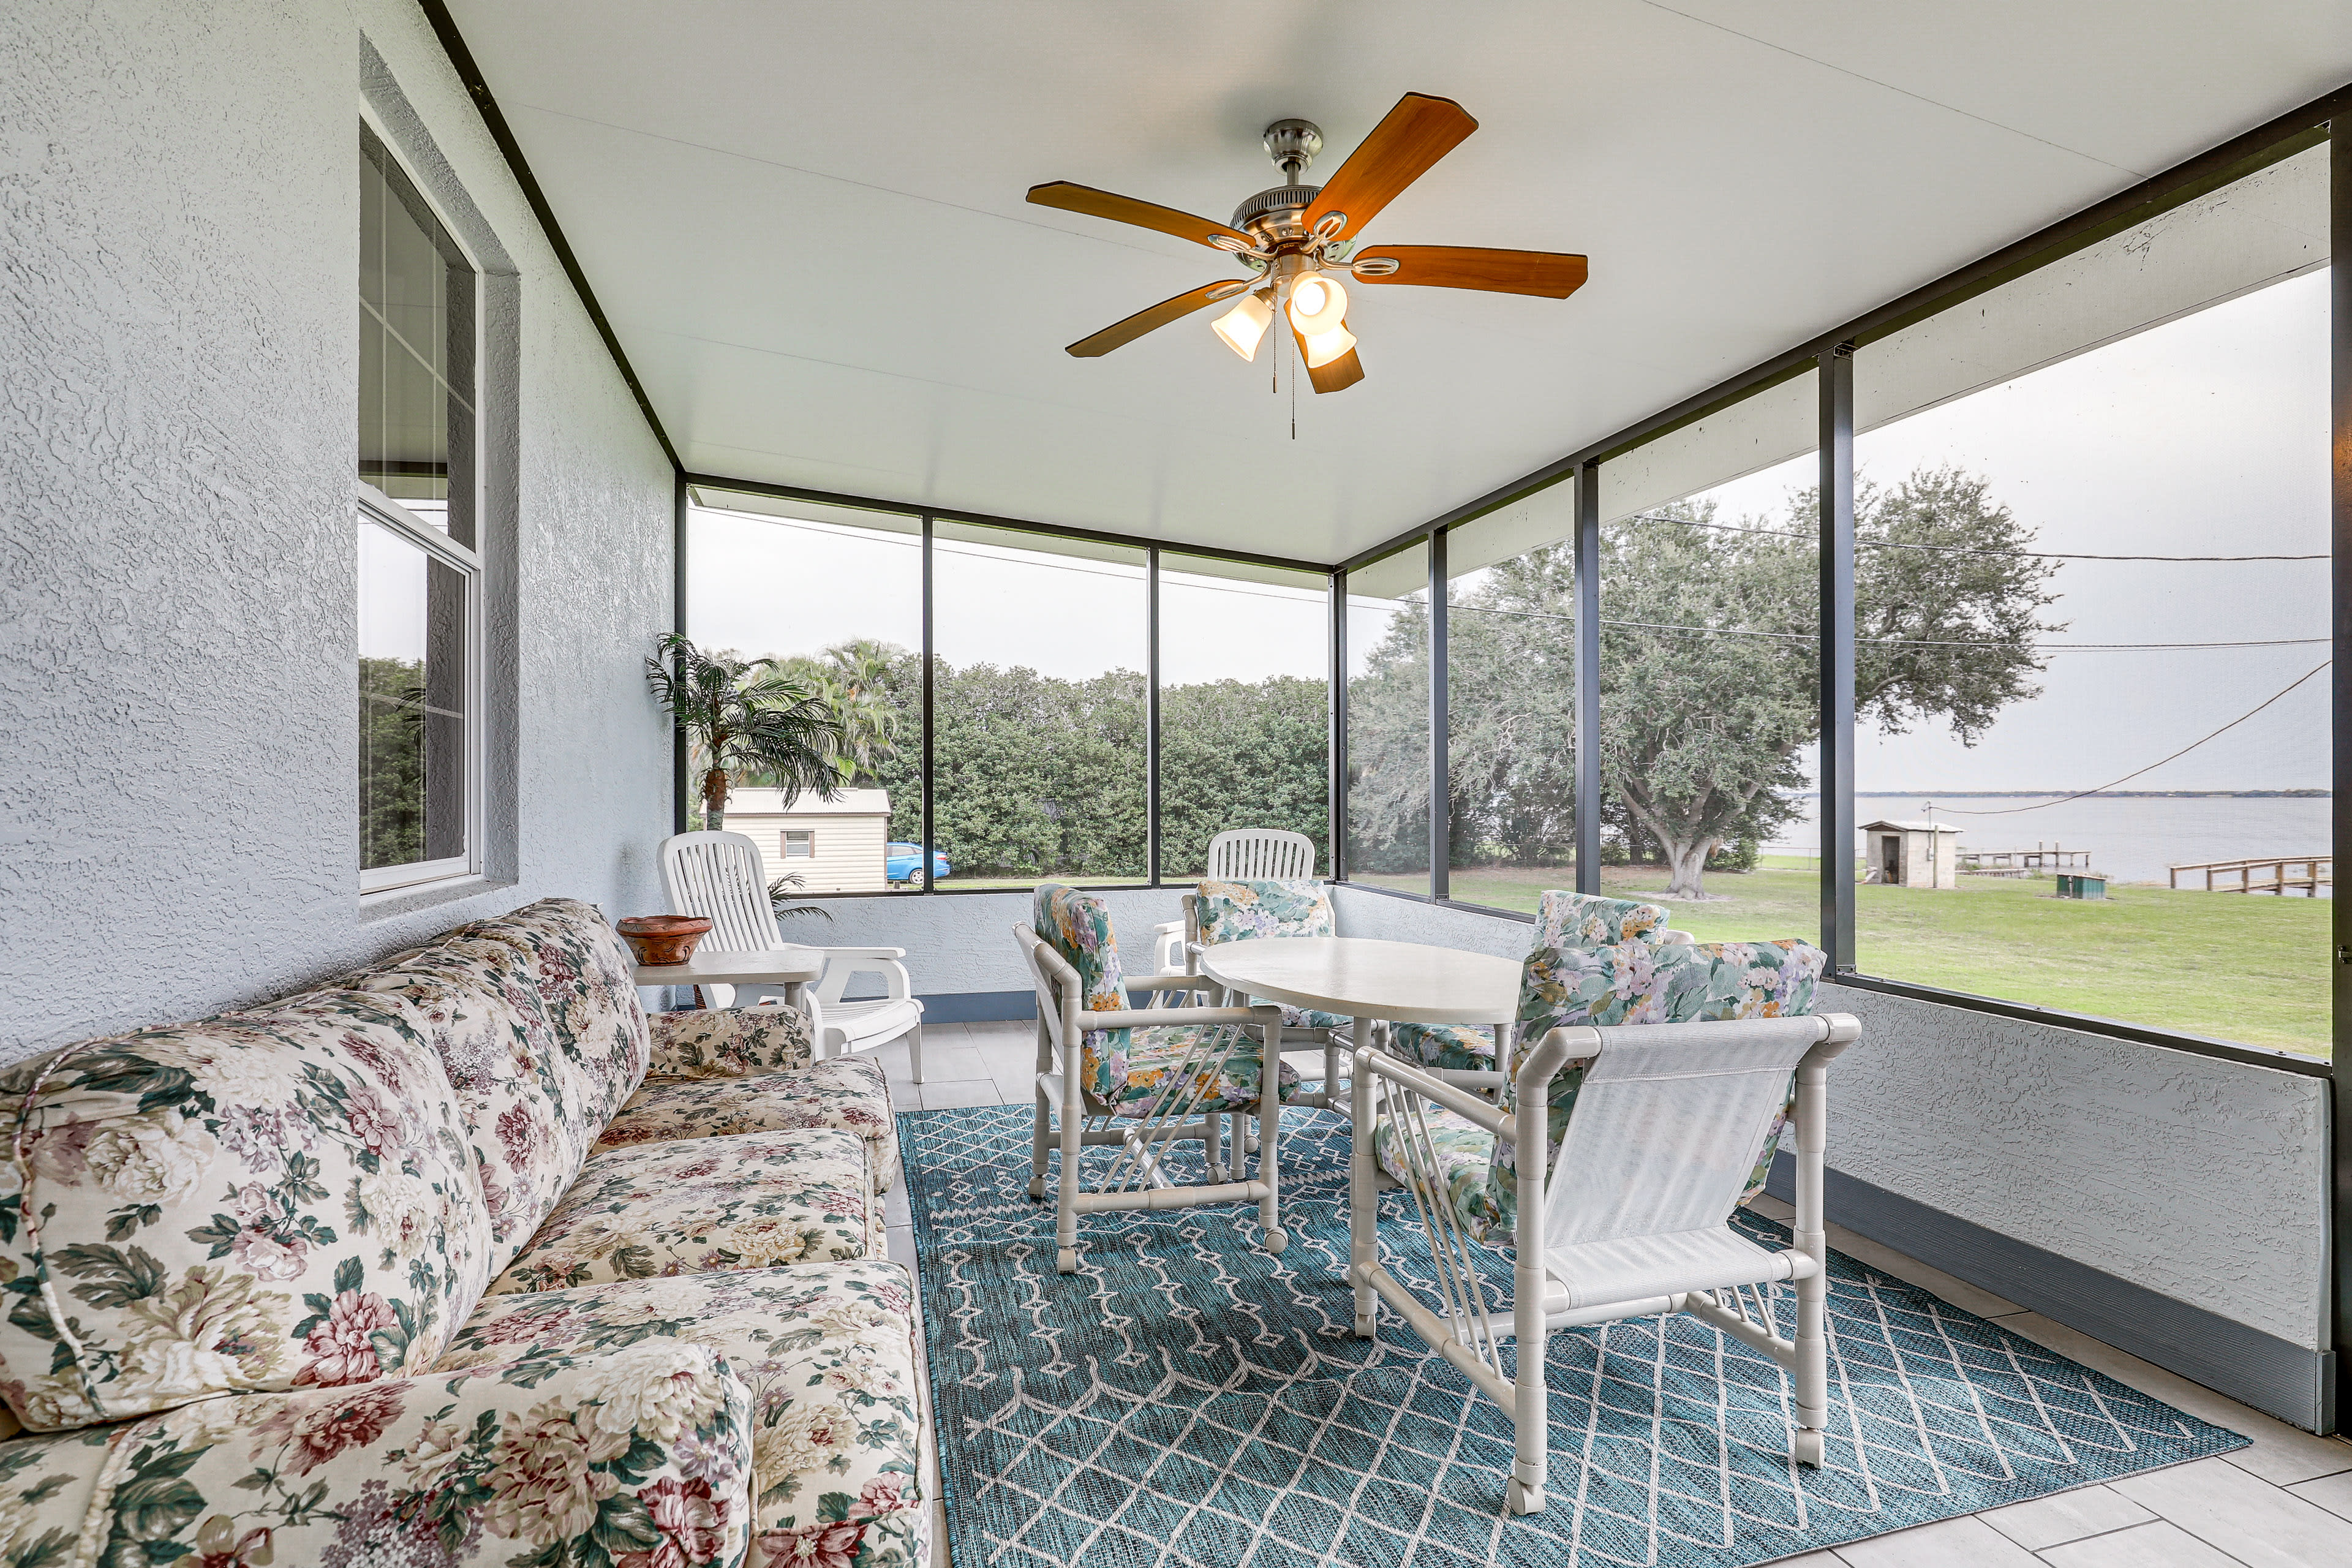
{"x":1510,"y":701}
{"x":412,"y":644}
{"x":1038,"y":704}
{"x":2093,"y":598}
{"x":1244,"y":654}
{"x":1710,"y":708}
{"x":831,"y":597}
{"x":1388,"y":722}
{"x":416,"y":350}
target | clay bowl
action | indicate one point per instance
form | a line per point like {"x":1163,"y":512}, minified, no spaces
{"x":662,"y":940}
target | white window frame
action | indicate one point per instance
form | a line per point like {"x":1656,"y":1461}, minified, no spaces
{"x":372,"y":505}
{"x":784,"y":843}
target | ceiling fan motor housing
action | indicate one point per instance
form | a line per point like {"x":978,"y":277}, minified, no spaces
{"x":1277,"y":213}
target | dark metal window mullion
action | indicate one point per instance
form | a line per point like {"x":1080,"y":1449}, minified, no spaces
{"x":2337,"y":1331}
{"x":1336,"y":706}
{"x":1441,"y":789}
{"x":680,"y":786}
{"x":1151,"y":716}
{"x":1834,"y":779}
{"x":1587,"y":678}
{"x":930,"y":821}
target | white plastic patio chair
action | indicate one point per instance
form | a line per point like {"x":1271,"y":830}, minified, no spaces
{"x":1177,"y":1090}
{"x":1239,"y":854}
{"x":721,"y":877}
{"x":1629,"y":1218}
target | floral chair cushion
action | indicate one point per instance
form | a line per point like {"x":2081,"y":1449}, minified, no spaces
{"x":1629,"y":983}
{"x":749,"y":1200}
{"x":728,"y":1042}
{"x":262,"y":1200}
{"x":631,"y":1455}
{"x":1156,"y":1056}
{"x":844,"y":1093}
{"x":828,"y":1354}
{"x":1078,"y":926}
{"x":1583,"y":919}
{"x":524,"y":1114}
{"x":1241,"y":911}
{"x":1452,"y":1048}
{"x":587,"y":986}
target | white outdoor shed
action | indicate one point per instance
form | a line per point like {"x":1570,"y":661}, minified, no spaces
{"x":1912,"y":854}
{"x":837,"y":846}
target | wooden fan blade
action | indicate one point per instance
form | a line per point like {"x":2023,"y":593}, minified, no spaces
{"x":1143,"y":215}
{"x":1549,"y":273}
{"x":1336,"y":376}
{"x":1158,"y":316}
{"x":1411,"y":138}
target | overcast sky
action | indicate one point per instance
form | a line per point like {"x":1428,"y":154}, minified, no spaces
{"x":2206,"y":435}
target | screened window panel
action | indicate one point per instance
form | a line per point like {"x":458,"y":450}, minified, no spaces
{"x":832,"y":599}
{"x":416,"y":325}
{"x":1244,"y":696}
{"x":2093,"y":588}
{"x":1388,"y":722}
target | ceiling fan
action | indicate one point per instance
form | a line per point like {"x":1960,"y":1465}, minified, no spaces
{"x":1296,"y":240}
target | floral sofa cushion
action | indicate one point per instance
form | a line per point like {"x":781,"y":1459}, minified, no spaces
{"x":849,"y":1093}
{"x":587,"y":986}
{"x":1583,"y":919}
{"x":628,"y":1455}
{"x":47,"y":1482}
{"x":828,"y":1354}
{"x":270,"y":1199}
{"x":728,"y":1042}
{"x":749,"y":1200}
{"x":523,"y":1110}
{"x":1629,"y":983}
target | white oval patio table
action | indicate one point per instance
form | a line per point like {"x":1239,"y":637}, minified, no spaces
{"x":1364,"y":978}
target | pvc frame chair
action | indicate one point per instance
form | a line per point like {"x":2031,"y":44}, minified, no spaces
{"x":1137,"y":1179}
{"x":1334,"y":1046}
{"x":1631,"y":1219}
{"x":721,"y":877}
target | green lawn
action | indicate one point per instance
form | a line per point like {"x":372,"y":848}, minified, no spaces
{"x":2223,"y":964}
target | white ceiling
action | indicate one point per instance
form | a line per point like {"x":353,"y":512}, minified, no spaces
{"x":805,"y":219}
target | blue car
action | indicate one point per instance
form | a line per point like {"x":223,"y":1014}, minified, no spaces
{"x":903,"y":863}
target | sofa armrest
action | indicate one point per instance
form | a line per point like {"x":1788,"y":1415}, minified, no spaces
{"x":645,"y":1449}
{"x":728,"y":1042}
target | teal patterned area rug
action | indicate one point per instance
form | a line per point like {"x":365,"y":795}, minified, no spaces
{"x":1186,"y":1399}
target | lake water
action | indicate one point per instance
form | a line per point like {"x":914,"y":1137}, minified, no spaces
{"x":2131,"y":839}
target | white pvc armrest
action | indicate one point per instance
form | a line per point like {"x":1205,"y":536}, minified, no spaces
{"x":1168,"y":927}
{"x":1170,"y":983}
{"x":1148,"y":1017}
{"x":859,"y":951}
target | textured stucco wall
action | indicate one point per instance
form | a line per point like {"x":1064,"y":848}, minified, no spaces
{"x":179,"y":201}
{"x":2198,"y":1178}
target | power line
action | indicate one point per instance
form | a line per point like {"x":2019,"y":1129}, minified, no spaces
{"x":2014,"y":810}
{"x":1949,"y":549}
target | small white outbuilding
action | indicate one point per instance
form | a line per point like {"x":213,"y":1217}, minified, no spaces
{"x":1912,"y":854}
{"x":835,"y":846}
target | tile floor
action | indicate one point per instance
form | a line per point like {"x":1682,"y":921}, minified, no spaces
{"x":2286,"y":1502}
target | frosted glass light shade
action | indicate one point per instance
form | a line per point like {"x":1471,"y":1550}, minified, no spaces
{"x":1244,"y":325}
{"x":1322,"y":348}
{"x":1317,"y":305}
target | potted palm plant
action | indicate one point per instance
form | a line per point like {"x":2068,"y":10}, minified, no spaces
{"x":748,"y":716}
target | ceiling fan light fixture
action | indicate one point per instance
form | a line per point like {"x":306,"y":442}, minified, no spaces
{"x":1317,"y":305}
{"x":1324,"y":347}
{"x":1244,"y":325}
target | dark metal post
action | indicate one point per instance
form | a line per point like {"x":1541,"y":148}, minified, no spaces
{"x":1587,"y":678}
{"x":678,"y":749}
{"x":1835,"y":778}
{"x":2338,"y":1332}
{"x":1151,"y":717}
{"x":1441,"y":789}
{"x":1336,"y":748}
{"x":930,"y":822}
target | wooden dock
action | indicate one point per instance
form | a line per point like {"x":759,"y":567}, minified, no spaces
{"x":2239,"y":876}
{"x":2022,"y":862}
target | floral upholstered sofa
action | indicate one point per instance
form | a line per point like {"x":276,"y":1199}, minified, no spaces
{"x":459,"y":1259}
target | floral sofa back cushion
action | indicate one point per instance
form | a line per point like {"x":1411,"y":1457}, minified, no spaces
{"x":587,"y":986}
{"x":272,"y":1199}
{"x":520,"y":1098}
